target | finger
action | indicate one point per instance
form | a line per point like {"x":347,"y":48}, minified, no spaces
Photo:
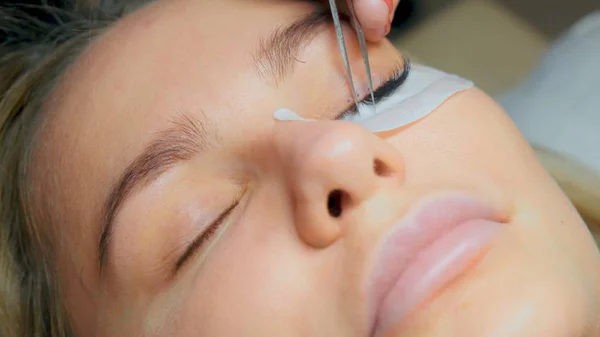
{"x":375,"y":17}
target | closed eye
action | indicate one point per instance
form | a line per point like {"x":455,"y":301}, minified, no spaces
{"x":206,"y":236}
{"x":387,"y":89}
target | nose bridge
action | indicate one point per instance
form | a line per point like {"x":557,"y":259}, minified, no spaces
{"x":332,"y":167}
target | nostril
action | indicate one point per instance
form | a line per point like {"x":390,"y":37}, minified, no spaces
{"x":381,"y":169}
{"x":335,"y":203}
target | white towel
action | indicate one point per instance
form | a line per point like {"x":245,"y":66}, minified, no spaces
{"x":558,"y":105}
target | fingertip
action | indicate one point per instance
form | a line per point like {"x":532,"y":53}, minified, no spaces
{"x":372,"y":13}
{"x":374,"y":17}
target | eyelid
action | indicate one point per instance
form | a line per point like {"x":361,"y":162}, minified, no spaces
{"x":207,"y":235}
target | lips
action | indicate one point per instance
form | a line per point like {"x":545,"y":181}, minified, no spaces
{"x":426,"y":249}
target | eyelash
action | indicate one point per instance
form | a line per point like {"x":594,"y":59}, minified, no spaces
{"x":396,"y":80}
{"x":206,"y":236}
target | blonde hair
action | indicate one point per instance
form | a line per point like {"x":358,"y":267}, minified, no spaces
{"x":37,"y":45}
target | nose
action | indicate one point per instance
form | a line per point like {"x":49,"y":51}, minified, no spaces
{"x":331,"y":168}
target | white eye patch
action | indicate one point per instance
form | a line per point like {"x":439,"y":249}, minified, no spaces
{"x":424,"y":90}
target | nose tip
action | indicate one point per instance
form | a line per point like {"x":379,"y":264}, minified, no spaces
{"x":332,"y":167}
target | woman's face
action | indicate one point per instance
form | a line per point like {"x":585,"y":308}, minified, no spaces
{"x":181,"y":207}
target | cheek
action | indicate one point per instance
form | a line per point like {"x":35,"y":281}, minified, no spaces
{"x":468,"y":137}
{"x":518,"y":290}
{"x":554,"y":306}
{"x":531,"y":302}
{"x":544,"y":266}
{"x":255,"y":279}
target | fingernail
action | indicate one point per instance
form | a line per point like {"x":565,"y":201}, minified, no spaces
{"x":390,"y":5}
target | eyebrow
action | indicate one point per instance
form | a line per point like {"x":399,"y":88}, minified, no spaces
{"x":277,"y":54}
{"x":186,"y":138}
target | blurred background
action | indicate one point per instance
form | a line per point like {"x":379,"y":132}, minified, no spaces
{"x":493,"y":42}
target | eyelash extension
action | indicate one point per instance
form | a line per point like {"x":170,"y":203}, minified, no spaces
{"x":204,"y":238}
{"x":387,"y":89}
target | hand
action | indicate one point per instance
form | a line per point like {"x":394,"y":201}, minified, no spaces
{"x":375,"y":16}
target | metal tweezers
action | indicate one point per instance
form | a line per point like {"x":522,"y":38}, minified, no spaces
{"x":342,"y":44}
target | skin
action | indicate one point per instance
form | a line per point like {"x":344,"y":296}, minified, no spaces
{"x":283,"y":266}
{"x":375,"y":16}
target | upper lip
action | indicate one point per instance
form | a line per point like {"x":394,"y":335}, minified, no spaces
{"x":421,"y":226}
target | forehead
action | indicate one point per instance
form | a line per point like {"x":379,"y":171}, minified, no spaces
{"x":171,"y":57}
{"x":197,"y":46}
{"x":163,"y":52}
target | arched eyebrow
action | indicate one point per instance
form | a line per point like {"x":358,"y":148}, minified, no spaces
{"x":276,"y":55}
{"x":186,"y":138}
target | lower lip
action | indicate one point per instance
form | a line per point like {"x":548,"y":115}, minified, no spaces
{"x":435,"y":266}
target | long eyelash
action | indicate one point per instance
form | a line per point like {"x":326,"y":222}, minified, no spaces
{"x":399,"y":75}
{"x":206,"y":236}
{"x":395,"y":81}
{"x":346,"y":114}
